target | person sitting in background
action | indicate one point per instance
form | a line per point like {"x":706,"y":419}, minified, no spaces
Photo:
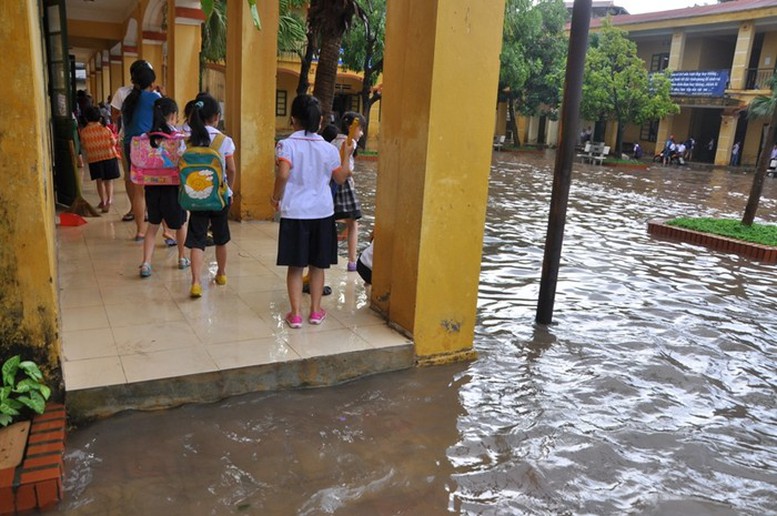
{"x":637,"y":151}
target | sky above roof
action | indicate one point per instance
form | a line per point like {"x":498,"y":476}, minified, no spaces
{"x":649,"y":6}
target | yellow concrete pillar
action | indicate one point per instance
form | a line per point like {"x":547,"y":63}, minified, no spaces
{"x":91,"y":77}
{"x":434,"y":167}
{"x":28,"y":305}
{"x":106,"y":76}
{"x":117,"y":73}
{"x":152,"y":52}
{"x":742,"y":51}
{"x":728,"y":129}
{"x":98,"y":78}
{"x":677,"y":51}
{"x":665,"y":128}
{"x":250,"y":105}
{"x":128,"y":56}
{"x":183,"y":63}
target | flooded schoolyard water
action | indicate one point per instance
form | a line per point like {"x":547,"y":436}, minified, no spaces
{"x":652,"y":393}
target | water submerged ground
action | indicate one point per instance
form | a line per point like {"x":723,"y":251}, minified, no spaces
{"x":652,"y":393}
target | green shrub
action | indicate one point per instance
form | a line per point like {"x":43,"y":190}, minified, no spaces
{"x":764,"y":234}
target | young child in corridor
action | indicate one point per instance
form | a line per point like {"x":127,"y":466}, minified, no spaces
{"x":305,"y":164}
{"x":99,"y":144}
{"x":204,"y":117}
{"x":162,"y":200}
{"x":346,"y":203}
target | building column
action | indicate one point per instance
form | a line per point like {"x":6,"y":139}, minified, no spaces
{"x":128,"y":56}
{"x":676,"y":51}
{"x":29,"y":322}
{"x":106,"y":76}
{"x":250,"y":105}
{"x":152,"y":52}
{"x":664,"y":132}
{"x":117,"y":71}
{"x":98,"y":79}
{"x":91,"y":78}
{"x":741,"y":57}
{"x":183,"y":64}
{"x":433,"y":169}
{"x":728,"y":129}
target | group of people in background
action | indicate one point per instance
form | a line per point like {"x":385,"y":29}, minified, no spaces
{"x":677,"y":152}
{"x":313,"y":185}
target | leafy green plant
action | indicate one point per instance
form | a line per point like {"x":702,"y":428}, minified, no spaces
{"x":22,"y":390}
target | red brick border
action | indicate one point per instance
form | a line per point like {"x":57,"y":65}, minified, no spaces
{"x":761,"y":253}
{"x":37,"y":482}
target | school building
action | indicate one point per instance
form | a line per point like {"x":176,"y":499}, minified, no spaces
{"x":722,"y":57}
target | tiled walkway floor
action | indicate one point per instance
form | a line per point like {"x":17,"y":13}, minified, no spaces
{"x":118,"y":328}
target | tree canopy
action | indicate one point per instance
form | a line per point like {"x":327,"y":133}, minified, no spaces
{"x":617,"y":85}
{"x":363,"y":51}
{"x":533,"y":57}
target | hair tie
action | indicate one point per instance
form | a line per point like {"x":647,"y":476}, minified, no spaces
{"x":199,"y":104}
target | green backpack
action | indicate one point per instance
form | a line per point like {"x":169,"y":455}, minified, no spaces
{"x":201,"y":170}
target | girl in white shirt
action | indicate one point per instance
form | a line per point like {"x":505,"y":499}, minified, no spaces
{"x":305,"y":163}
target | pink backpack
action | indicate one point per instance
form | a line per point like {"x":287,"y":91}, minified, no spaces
{"x":156,"y":166}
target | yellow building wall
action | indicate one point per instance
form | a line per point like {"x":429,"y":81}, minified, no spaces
{"x":152,"y":52}
{"x":28,"y":272}
{"x":693,"y":52}
{"x":769,"y":51}
{"x":287,"y":82}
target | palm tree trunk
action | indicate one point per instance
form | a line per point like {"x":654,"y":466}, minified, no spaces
{"x":304,"y":68}
{"x":326,"y":74}
{"x":760,"y":172}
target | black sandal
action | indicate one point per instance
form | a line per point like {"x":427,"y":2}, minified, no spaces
{"x":128,"y":217}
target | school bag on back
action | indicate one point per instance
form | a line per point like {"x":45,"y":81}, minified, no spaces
{"x":158,"y":165}
{"x":201,"y":171}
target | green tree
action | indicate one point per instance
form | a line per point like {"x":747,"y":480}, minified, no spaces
{"x":761,"y":107}
{"x":363,"y":51}
{"x":532,"y":59}
{"x":617,"y":86}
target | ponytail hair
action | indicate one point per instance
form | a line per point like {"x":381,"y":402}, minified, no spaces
{"x":142,"y":78}
{"x":163,"y":108}
{"x":204,"y":110}
{"x":307,"y":110}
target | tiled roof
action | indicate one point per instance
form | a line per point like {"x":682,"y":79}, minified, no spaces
{"x":687,"y":12}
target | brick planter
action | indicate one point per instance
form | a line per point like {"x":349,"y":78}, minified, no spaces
{"x":37,"y":482}
{"x":761,"y":253}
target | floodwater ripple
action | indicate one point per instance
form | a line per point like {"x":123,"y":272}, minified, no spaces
{"x":654,"y":389}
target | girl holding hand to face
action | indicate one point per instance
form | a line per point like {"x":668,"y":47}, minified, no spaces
{"x":305,"y":164}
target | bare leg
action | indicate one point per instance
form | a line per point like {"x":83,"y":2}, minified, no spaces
{"x":353,"y":238}
{"x":109,"y":191}
{"x":221,"y":261}
{"x":101,"y":193}
{"x":130,"y":188}
{"x":139,"y":209}
{"x":198,"y":256}
{"x":148,"y":242}
{"x":316,"y":288}
{"x":294,"y":287}
{"x":180,"y":236}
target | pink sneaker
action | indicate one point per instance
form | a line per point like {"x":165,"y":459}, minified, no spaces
{"x":317,"y":317}
{"x":294,"y":321}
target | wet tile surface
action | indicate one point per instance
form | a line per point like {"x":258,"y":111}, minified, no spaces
{"x":119,"y":328}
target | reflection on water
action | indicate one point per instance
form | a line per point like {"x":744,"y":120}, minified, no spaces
{"x":653,"y":392}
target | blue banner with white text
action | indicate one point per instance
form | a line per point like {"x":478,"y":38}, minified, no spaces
{"x":701,"y":83}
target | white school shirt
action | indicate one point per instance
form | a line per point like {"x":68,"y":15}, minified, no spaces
{"x":313,"y":160}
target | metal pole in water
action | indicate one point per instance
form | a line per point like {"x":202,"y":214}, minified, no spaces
{"x":562,"y":176}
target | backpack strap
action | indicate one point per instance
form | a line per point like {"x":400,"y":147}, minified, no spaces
{"x":217,"y":141}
